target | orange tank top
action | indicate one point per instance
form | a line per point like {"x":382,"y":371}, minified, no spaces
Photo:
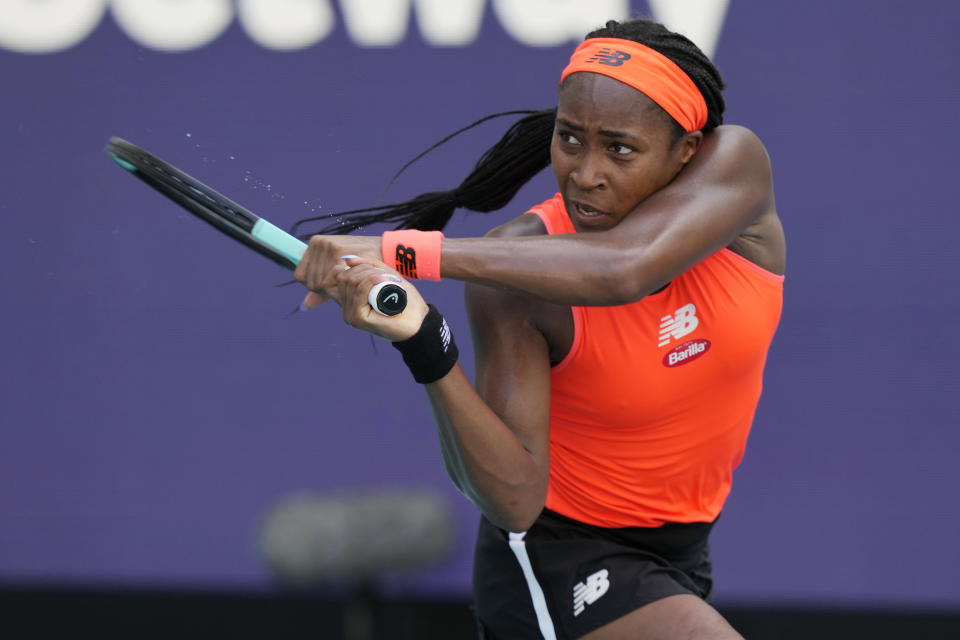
{"x":650,"y":409}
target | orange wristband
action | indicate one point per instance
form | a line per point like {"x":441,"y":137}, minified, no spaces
{"x":415,"y":254}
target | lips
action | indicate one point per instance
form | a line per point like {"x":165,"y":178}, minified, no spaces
{"x":585,"y":211}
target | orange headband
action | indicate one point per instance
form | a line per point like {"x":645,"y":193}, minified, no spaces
{"x":647,"y":71}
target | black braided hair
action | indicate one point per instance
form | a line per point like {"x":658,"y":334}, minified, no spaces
{"x":524,"y":150}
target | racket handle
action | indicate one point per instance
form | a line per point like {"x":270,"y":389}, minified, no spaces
{"x":387,"y":298}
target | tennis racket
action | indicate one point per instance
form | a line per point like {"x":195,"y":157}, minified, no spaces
{"x":231,"y":218}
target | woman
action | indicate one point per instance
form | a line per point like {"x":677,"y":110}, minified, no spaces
{"x":600,"y":440}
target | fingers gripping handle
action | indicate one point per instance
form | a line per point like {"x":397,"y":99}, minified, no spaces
{"x":387,"y":298}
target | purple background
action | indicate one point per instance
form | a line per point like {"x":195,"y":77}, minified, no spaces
{"x":154,"y":402}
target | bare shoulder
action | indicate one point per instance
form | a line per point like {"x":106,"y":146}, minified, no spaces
{"x":734,"y":148}
{"x":504,"y":325}
{"x":737,"y":134}
{"x":740,"y":152}
{"x":525,"y":225}
{"x":496,"y":312}
{"x":486,"y":303}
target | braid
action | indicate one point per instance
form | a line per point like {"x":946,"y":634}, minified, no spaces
{"x":524,"y":150}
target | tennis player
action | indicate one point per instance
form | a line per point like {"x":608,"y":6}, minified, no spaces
{"x":619,"y":352}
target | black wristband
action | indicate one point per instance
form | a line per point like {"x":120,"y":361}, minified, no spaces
{"x":431,"y":352}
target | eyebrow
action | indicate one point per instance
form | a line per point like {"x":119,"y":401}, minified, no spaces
{"x":604,"y":132}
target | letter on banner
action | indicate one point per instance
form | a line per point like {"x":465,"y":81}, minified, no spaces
{"x":548,"y":23}
{"x":28,"y":26}
{"x":286,"y":24}
{"x":450,"y":23}
{"x":384,"y":23}
{"x":376,"y":23}
{"x":173,"y":26}
{"x":699,"y":20}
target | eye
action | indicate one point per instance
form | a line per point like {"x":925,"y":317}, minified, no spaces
{"x":568,"y":138}
{"x":621,"y":149}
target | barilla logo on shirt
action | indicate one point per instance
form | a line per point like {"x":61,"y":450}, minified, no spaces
{"x":686,"y":352}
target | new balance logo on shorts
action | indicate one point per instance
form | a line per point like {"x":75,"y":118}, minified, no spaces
{"x":610,"y":57}
{"x":406,"y":261}
{"x":683,"y":321}
{"x":588,"y":592}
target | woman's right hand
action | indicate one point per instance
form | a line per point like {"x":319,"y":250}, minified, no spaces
{"x":354,"y":278}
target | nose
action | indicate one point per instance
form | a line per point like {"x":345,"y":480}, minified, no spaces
{"x":587,"y":173}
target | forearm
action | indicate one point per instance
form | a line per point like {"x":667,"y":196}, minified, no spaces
{"x":484,"y":458}
{"x":584,"y":269}
{"x":722,"y":190}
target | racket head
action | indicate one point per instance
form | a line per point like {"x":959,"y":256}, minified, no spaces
{"x":199,"y":199}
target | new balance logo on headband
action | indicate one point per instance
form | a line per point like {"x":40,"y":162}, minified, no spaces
{"x":610,"y":57}
{"x":406,"y":261}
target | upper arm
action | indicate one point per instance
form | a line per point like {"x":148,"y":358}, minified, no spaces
{"x":512,"y":357}
{"x":725,"y":188}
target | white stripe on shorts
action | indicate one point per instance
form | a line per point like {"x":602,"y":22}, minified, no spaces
{"x":519,"y":548}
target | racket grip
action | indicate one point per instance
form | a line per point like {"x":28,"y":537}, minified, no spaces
{"x":387,"y":298}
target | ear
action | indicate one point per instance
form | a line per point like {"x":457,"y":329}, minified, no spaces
{"x":689,"y":145}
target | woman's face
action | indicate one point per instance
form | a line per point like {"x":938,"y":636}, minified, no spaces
{"x":612,"y":148}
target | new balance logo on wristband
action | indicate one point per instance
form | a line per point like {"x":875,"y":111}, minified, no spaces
{"x":610,"y":57}
{"x":406,"y":261}
{"x":588,"y":592}
{"x":415,"y":254}
{"x":445,"y":335}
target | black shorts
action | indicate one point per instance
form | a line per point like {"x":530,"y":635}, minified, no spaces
{"x":563,"y":579}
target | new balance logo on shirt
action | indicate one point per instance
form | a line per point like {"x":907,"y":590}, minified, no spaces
{"x":588,"y":592}
{"x":683,"y":321}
